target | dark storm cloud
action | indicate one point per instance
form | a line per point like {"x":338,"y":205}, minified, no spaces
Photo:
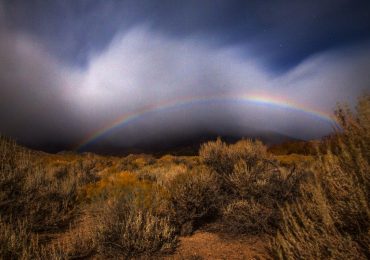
{"x":33,"y":105}
{"x":69,"y":68}
{"x":281,"y":32}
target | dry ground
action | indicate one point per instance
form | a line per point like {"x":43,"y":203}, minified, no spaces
{"x":208,"y":245}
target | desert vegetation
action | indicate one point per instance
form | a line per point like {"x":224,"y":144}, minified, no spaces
{"x":312,"y":202}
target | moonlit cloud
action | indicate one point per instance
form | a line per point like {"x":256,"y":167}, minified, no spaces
{"x":44,"y":97}
{"x":142,"y":67}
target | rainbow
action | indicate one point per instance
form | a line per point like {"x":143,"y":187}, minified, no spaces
{"x":131,"y":116}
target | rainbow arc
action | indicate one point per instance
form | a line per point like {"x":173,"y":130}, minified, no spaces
{"x":131,"y":116}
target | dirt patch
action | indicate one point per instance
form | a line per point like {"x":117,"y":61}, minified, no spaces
{"x":208,"y":245}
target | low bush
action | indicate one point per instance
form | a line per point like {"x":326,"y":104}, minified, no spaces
{"x":193,"y":197}
{"x":258,"y":193}
{"x":122,"y":227}
{"x":16,"y":240}
{"x":221,"y":157}
{"x":127,"y":218}
{"x":248,"y":217}
{"x":34,"y":200}
{"x":307,"y":231}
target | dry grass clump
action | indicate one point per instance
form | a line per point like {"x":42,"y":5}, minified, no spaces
{"x":193,"y":197}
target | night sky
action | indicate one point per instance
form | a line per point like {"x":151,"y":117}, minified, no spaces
{"x":69,"y":70}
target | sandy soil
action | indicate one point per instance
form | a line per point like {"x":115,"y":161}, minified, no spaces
{"x":208,"y":245}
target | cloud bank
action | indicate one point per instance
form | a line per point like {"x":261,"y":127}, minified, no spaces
{"x":44,"y":100}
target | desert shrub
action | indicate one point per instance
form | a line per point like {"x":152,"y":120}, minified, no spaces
{"x":14,"y":163}
{"x":258,"y":193}
{"x":15,"y":240}
{"x":116,"y":184}
{"x":294,"y":147}
{"x":221,"y":157}
{"x":45,"y":196}
{"x":253,"y":203}
{"x":294,"y":159}
{"x":193,"y":197}
{"x":345,"y":174}
{"x":124,"y":228}
{"x":334,"y":210}
{"x":252,"y":182}
{"x":248,"y":217}
{"x":162,"y":172}
{"x":126,"y":216}
{"x":78,"y":242}
{"x":35,"y":197}
{"x":134,"y":162}
{"x":224,"y":160}
{"x":252,"y":185}
{"x":307,"y":231}
{"x":49,"y":201}
{"x":346,"y":195}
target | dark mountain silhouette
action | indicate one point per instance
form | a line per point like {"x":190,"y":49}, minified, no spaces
{"x":187,"y":144}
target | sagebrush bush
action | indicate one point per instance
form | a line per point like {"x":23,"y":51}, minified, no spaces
{"x":221,"y":157}
{"x":253,"y":182}
{"x":307,"y":231}
{"x":125,"y":229}
{"x":248,"y":217}
{"x":252,"y":185}
{"x":126,"y":217}
{"x":193,"y":197}
{"x":15,"y":240}
{"x":258,"y":193}
{"x":34,"y":199}
{"x":334,"y":210}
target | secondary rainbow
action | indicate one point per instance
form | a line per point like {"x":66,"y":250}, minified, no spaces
{"x":256,"y":99}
